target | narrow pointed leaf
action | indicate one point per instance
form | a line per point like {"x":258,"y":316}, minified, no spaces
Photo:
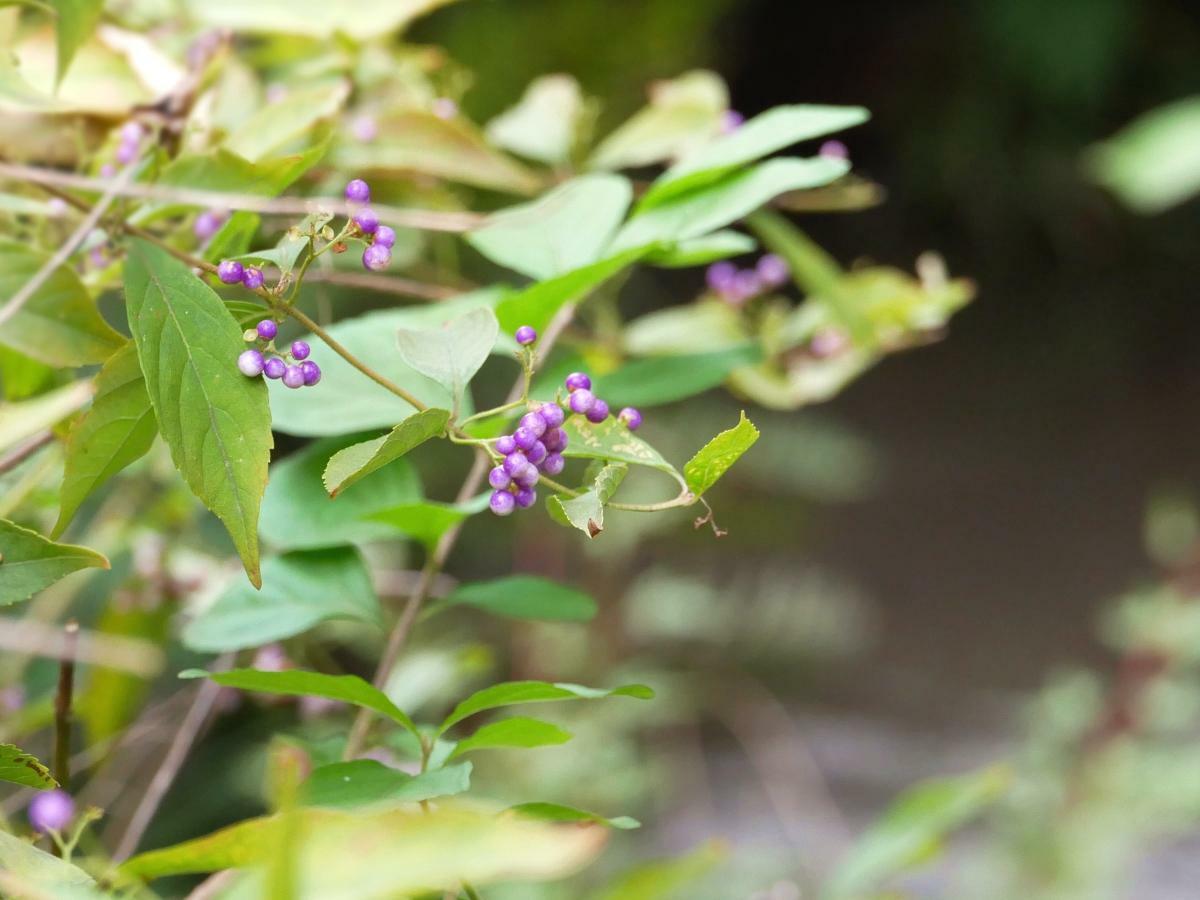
{"x":364,"y":782}
{"x":76,"y":21}
{"x":714,"y":458}
{"x":556,"y":812}
{"x":30,"y":562}
{"x":359,"y":460}
{"x":512,"y":693}
{"x":515,"y":732}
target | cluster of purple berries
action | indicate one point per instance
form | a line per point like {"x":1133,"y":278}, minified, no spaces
{"x":303,"y":373}
{"x":378,"y":254}
{"x":737,"y":286}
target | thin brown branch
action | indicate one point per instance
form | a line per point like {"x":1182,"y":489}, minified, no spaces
{"x":24,"y":450}
{"x":62,"y":707}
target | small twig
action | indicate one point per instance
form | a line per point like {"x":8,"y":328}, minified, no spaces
{"x":385,"y":284}
{"x":23,"y":451}
{"x":62,"y":707}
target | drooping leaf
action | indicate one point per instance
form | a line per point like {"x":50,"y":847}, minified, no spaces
{"x":564,"y":230}
{"x":297,"y":513}
{"x":59,"y":324}
{"x":702,"y":250}
{"x":515,"y":732}
{"x":19,"y":767}
{"x":299,"y":590}
{"x":118,"y":429}
{"x":299,"y":683}
{"x":41,"y":874}
{"x":357,"y":461}
{"x":612,"y":441}
{"x":30,"y":562}
{"x":556,"y":812}
{"x":525,"y":597}
{"x":512,"y":693}
{"x":20,"y":421}
{"x":544,"y":125}
{"x":654,"y":380}
{"x":428,"y":520}
{"x":75,"y":23}
{"x":452,"y":354}
{"x":365,"y":782}
{"x":277,"y":125}
{"x":714,"y":458}
{"x":586,"y":511}
{"x":215,"y":420}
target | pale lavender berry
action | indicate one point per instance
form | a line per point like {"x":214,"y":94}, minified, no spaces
{"x":267,"y":329}
{"x":376,"y":258}
{"x":502,"y":503}
{"x":834,"y":150}
{"x":312,"y":372}
{"x":745,"y":286}
{"x":524,"y":438}
{"x":582,"y":400}
{"x":357,"y":191}
{"x":731,"y":120}
{"x":554,"y":439}
{"x":385,"y":236}
{"x":552,"y":414}
{"x":499,"y":479}
{"x":526,"y":335}
{"x":230,"y":271}
{"x":207,"y":224}
{"x":536,"y":453}
{"x":772,"y":270}
{"x":598,"y":413}
{"x":720,"y":276}
{"x":366,"y":220}
{"x":252,"y":278}
{"x":553,"y":463}
{"x":828,"y":342}
{"x":578,"y":381}
{"x":535,"y":422}
{"x":445,"y":108}
{"x":365,"y":129}
{"x":505,"y":444}
{"x":126,"y":153}
{"x":108,"y":170}
{"x":631,"y":418}
{"x":527,"y":477}
{"x":274,"y":367}
{"x":526,"y":497}
{"x":251,"y":363}
{"x":515,"y":462}
{"x":293,"y":377}
{"x":132,"y":132}
{"x":51,"y":811}
{"x":300,"y":350}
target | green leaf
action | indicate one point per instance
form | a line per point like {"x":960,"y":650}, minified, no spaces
{"x":714,"y":458}
{"x":30,"y":562}
{"x":40,"y":874}
{"x":215,"y":420}
{"x":59,"y":325}
{"x":511,"y":693}
{"x":427,"y":521}
{"x":118,"y":429}
{"x":612,"y":441}
{"x":702,"y":250}
{"x":298,"y":514}
{"x":664,"y":879}
{"x":224,"y":172}
{"x":277,"y":125}
{"x":556,"y":812}
{"x":311,"y":18}
{"x":916,"y":823}
{"x":564,"y":230}
{"x":586,"y":511}
{"x":761,"y":136}
{"x":452,"y":354}
{"x":726,"y":201}
{"x":20,"y":421}
{"x":525,"y":597}
{"x":76,"y":21}
{"x":234,"y":237}
{"x":515,"y":732}
{"x":358,"y":461}
{"x":19,"y":767}
{"x":682,"y":116}
{"x":299,"y":683}
{"x":299,"y":590}
{"x":656,"y":380}
{"x":544,"y":125}
{"x":21,"y":376}
{"x":365,"y":782}
{"x":287,"y":252}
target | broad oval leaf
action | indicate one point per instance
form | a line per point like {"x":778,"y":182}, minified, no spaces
{"x":556,"y":812}
{"x":366,"y":782}
{"x":277,"y":125}
{"x":586,"y":511}
{"x":515,"y":732}
{"x":452,"y":354}
{"x":544,"y":125}
{"x":299,"y":590}
{"x":19,"y":767}
{"x":357,"y":461}
{"x":214,"y":419}
{"x":525,"y":597}
{"x":655,"y":380}
{"x":610,"y":440}
{"x":118,"y":429}
{"x":702,"y":250}
{"x":428,"y":520}
{"x":30,"y":562}
{"x":40,"y":874}
{"x":512,"y":693}
{"x":714,"y":458}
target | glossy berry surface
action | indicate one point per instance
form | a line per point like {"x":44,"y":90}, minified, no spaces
{"x":598,"y":413}
{"x":312,"y":372}
{"x":502,"y":503}
{"x":524,"y":438}
{"x":552,"y":414}
{"x":535,"y":422}
{"x":300,"y":350}
{"x":252,"y":278}
{"x":772,"y":270}
{"x":527,"y":477}
{"x":582,"y":400}
{"x":526,"y":335}
{"x":385,"y":236}
{"x":274,"y":367}
{"x":536,"y":453}
{"x":51,"y":810}
{"x":554,"y":439}
{"x":376,"y":258}
{"x":499,"y":479}
{"x":553,"y":463}
{"x":250,"y":363}
{"x":505,"y":444}
{"x":357,"y":191}
{"x":631,"y":418}
{"x":267,"y":329}
{"x":526,"y":497}
{"x":230,"y":271}
{"x":578,"y":381}
{"x":515,"y":462}
{"x":366,"y":220}
{"x":293,"y":377}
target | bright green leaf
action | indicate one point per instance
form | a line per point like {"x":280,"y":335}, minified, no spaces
{"x":428,"y":520}
{"x":30,"y":562}
{"x":714,"y":458}
{"x":544,"y":125}
{"x":76,"y":21}
{"x":19,"y":767}
{"x":515,"y":732}
{"x":511,"y":693}
{"x":655,"y":380}
{"x":452,"y":354}
{"x":359,"y":460}
{"x":702,"y":250}
{"x":223,"y":172}
{"x":234,"y":238}
{"x":586,"y":511}
{"x":40,"y":874}
{"x":278,"y":125}
{"x":612,"y":441}
{"x":365,"y":782}
{"x":556,"y":812}
{"x":525,"y":597}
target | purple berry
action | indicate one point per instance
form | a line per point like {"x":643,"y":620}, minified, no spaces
{"x":252,"y":278}
{"x":834,"y":150}
{"x":445,"y":108}
{"x":631,"y":418}
{"x":250,"y":363}
{"x":207,"y":224}
{"x":720,"y":276}
{"x":505,"y":444}
{"x":267,"y":329}
{"x":578,"y":381}
{"x":357,"y":191}
{"x":385,"y":236}
{"x":772,"y":270}
{"x":376,"y":258}
{"x":312,"y":372}
{"x":108,"y":170}
{"x":502,"y":503}
{"x":132,"y":132}
{"x":274,"y":367}
{"x":365,"y":129}
{"x":526,"y":335}
{"x":499,"y":479}
{"x":230,"y":271}
{"x":366,"y":220}
{"x":552,"y":414}
{"x":598,"y":413}
{"x":524,"y":438}
{"x":300,"y":350}
{"x":293,"y":377}
{"x":582,"y":400}
{"x":126,"y":153}
{"x":828,"y":342}
{"x":527,"y":477}
{"x":535,"y":422}
{"x":536,"y":453}
{"x":51,"y":811}
{"x":746,"y":285}
{"x":515,"y":462}
{"x":731,"y":120}
{"x":526,"y":497}
{"x":553,"y":463}
{"x":554,"y":439}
